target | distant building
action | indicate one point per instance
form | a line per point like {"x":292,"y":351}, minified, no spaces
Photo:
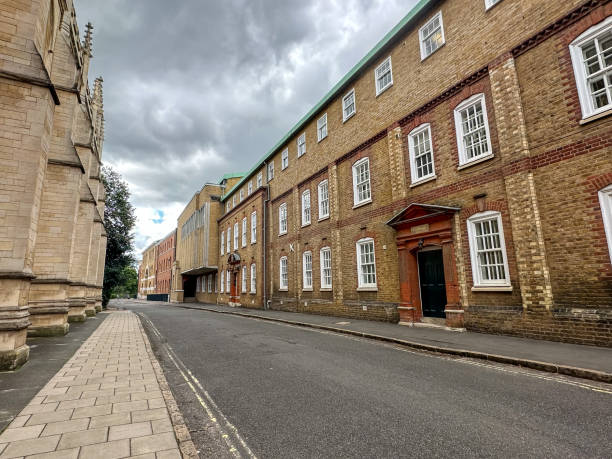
{"x":166,"y":251}
{"x":52,"y":238}
{"x":147,"y":271}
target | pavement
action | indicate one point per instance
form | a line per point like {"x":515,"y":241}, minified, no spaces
{"x":589,"y":362}
{"x":110,"y":400}
{"x":272,"y":389}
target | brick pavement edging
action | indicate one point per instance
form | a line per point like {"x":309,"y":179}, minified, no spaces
{"x":567,"y":370}
{"x":110,"y":400}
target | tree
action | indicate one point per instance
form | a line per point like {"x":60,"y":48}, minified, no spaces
{"x":119,"y":221}
{"x":128,"y":285}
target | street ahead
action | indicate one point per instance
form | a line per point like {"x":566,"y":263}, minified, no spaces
{"x":272,"y":390}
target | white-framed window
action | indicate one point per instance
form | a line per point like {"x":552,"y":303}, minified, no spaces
{"x":222,"y":242}
{"x":259,"y":180}
{"x":270,"y":170}
{"x":472,"y":128}
{"x":209,"y":281}
{"x":301,"y":144}
{"x":253,"y":278}
{"x":282,"y":219}
{"x":349,"y":106}
{"x":605,"y":201}
{"x":307,"y":270}
{"x":244,"y":232}
{"x":253,"y":227}
{"x":322,"y":128}
{"x":421,"y":153}
{"x":241,"y":195}
{"x":488,"y":250}
{"x":323,"y":198}
{"x":283,"y":274}
{"x":326,"y":268}
{"x":306,"y":208}
{"x":592,"y":61}
{"x":431,"y":35}
{"x":383,"y":76}
{"x":228,"y":281}
{"x":222,"y":283}
{"x":244,"y":279}
{"x":361,"y":181}
{"x":234,"y":201}
{"x":236,"y":236}
{"x":366,"y":264}
{"x":491,"y":3}
{"x":227,"y":206}
{"x":285,"y":159}
{"x":229,"y":240}
{"x":250,"y":187}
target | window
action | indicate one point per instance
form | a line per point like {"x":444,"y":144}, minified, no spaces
{"x":285,"y":159}
{"x":348,"y":105}
{"x":592,"y":60}
{"x":431,"y":35}
{"x":488,"y":250}
{"x":366,"y":264}
{"x":270,"y":171}
{"x":209,"y":281}
{"x":323,"y":190}
{"x":235,"y":236}
{"x":227,"y":281}
{"x":259,"y":180}
{"x":199,"y":284}
{"x":215,"y":281}
{"x":383,"y":76}
{"x":244,"y":279}
{"x":229,"y":240}
{"x":253,"y":227}
{"x":306,"y":208}
{"x":282,"y":219}
{"x":250,"y":188}
{"x":421,"y":153}
{"x":326,"y":268}
{"x":234,"y":201}
{"x":222,"y":241}
{"x":222,"y":283}
{"x":307,"y":270}
{"x":244,"y":232}
{"x":253,"y":278}
{"x":241,"y":195}
{"x":490,"y":3}
{"x":605,"y":201}
{"x":322,"y":128}
{"x":472,"y":127}
{"x":284,"y":274}
{"x":227,"y":206}
{"x":361,"y":181}
{"x":301,"y":144}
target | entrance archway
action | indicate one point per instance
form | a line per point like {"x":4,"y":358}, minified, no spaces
{"x":427,"y":270}
{"x":233,"y":262}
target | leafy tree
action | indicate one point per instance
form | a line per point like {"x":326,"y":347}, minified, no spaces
{"x":119,"y":221}
{"x":128,"y":286}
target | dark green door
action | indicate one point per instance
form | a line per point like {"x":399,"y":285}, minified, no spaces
{"x":433,"y":288}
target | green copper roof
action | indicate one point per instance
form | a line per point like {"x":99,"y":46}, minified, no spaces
{"x":365,"y":61}
{"x":232,"y":175}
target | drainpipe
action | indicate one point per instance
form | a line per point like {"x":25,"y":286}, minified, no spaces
{"x":265,"y":226}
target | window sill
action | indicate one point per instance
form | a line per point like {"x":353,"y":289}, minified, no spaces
{"x":304,"y":225}
{"x":363,"y":203}
{"x":325,"y":289}
{"x":423,"y":180}
{"x":323,"y":219}
{"x":492,"y":288}
{"x":476,"y":161}
{"x":282,"y":234}
{"x":367,"y":289}
{"x":348,"y":117}
{"x":307,"y":289}
{"x":283,"y":289}
{"x":321,"y":140}
{"x":596,"y":116}
{"x":378,"y":93}
{"x":252,"y":293}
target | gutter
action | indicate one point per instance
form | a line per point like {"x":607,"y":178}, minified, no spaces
{"x":264,"y":249}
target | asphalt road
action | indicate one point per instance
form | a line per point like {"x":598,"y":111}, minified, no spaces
{"x":278,"y":391}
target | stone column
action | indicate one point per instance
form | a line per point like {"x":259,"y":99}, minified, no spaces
{"x":80,"y":256}
{"x":100,"y":279}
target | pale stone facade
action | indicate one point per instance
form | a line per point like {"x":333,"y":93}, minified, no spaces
{"x":52,"y":238}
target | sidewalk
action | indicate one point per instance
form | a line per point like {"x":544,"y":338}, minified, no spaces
{"x":110,"y":400}
{"x":570,"y":359}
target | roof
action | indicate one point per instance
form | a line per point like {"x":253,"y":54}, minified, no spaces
{"x":333,"y":92}
{"x":433,"y":210}
{"x":232,"y":175}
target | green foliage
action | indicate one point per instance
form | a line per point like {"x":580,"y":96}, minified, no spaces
{"x":119,"y":221}
{"x":128,"y":284}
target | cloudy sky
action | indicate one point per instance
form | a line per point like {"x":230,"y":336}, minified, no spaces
{"x":194,"y":89}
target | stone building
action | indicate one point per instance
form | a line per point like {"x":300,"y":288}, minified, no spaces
{"x":147,"y":271}
{"x":52,"y":238}
{"x":459,"y":175}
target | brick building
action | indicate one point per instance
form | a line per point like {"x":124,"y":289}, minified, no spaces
{"x":166,"y":250}
{"x":460,"y":174}
{"x":147,"y":271}
{"x":52,"y":239}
